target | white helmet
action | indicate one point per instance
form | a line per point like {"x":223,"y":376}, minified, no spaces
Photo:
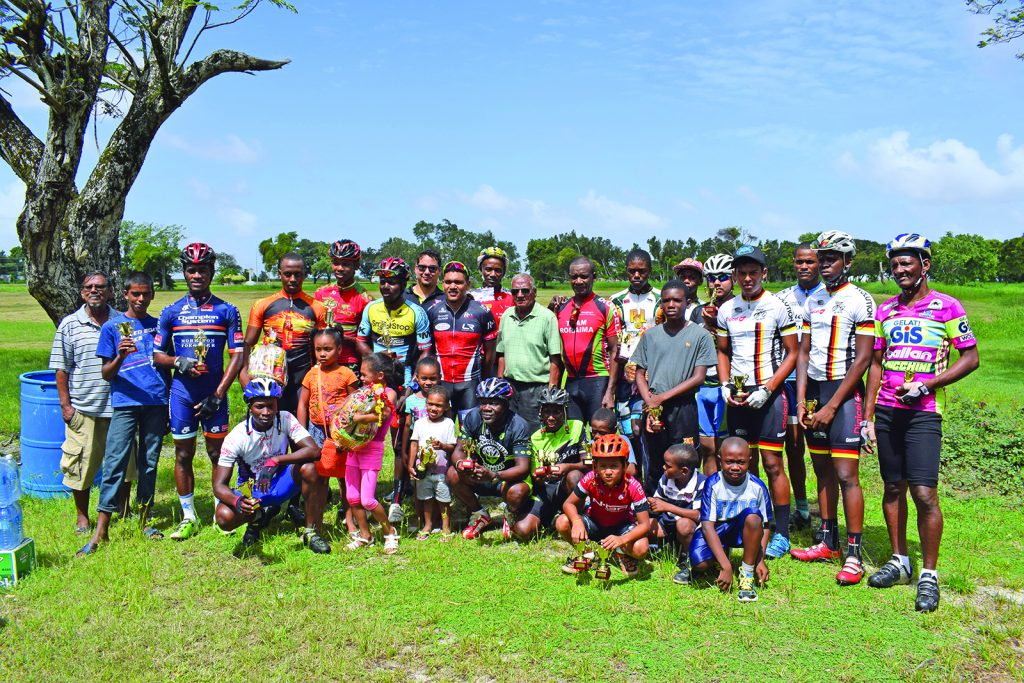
{"x":909,"y":241}
{"x":719,"y":264}
{"x":835,"y":240}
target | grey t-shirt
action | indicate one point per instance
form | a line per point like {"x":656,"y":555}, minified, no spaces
{"x":671,"y":359}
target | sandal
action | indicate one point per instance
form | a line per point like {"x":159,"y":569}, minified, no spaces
{"x":153,"y":534}
{"x":82,"y":530}
{"x":359,"y":542}
{"x":87,"y":549}
{"x":446,"y":537}
{"x":391,"y":544}
{"x":423,"y":536}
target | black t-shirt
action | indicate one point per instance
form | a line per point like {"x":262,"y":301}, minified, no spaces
{"x":496,"y":452}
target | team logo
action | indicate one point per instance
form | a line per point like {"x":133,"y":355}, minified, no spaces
{"x":442,"y":327}
{"x":638,"y":317}
{"x":838,"y":307}
{"x":759,"y":314}
{"x":935,"y":304}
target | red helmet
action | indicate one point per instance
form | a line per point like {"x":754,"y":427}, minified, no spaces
{"x":610,"y":446}
{"x":346,"y":249}
{"x":198,"y":254}
{"x":393,"y":266}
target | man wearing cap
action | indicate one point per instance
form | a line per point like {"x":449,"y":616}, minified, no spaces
{"x":690,"y":272}
{"x":757,"y":349}
{"x":493,"y":263}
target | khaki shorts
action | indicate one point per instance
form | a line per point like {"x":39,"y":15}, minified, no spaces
{"x":85,"y":440}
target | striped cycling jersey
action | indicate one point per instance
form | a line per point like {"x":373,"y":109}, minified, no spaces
{"x":835,"y":319}
{"x":585,"y":330}
{"x":755,"y":330}
{"x":636,"y":315}
{"x":180,"y":323}
{"x":344,"y":310}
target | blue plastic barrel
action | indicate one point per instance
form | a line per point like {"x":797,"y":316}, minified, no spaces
{"x":42,"y":434}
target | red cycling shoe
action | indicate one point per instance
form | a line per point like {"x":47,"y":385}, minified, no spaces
{"x":851,"y":573}
{"x":816,"y":553}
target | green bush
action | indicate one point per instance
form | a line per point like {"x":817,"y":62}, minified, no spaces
{"x":983,"y":447}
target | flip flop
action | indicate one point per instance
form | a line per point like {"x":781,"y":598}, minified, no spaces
{"x":423,"y":536}
{"x":87,"y":549}
{"x":153,"y":534}
{"x":82,"y":530}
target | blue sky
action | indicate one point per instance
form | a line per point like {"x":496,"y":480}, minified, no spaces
{"x":623,"y":120}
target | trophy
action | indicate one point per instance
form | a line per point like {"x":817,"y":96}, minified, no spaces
{"x":655,"y":414}
{"x":547,"y":460}
{"x":604,"y":571}
{"x":580,"y":563}
{"x":468,"y":451}
{"x":630,"y":372}
{"x":124,"y":328}
{"x":427,"y":459}
{"x":201,"y":349}
{"x":908,"y":376}
{"x":329,"y":304}
{"x":738,"y":381}
{"x":245,"y":488}
{"x":810,"y":405}
{"x":586,"y":452}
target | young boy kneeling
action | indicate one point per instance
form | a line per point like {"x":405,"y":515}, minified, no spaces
{"x":735,"y":511}
{"x":675,"y":505}
{"x":617,"y":516}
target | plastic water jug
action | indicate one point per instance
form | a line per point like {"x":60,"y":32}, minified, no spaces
{"x":11,"y":533}
{"x":10,"y":484}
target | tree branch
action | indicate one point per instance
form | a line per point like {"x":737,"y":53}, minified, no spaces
{"x":224,"y":61}
{"x":19,"y":146}
{"x":5,"y":61}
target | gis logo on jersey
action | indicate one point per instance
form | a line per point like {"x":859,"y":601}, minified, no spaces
{"x":907,"y":332}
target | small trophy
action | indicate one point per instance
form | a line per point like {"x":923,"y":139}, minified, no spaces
{"x":810,"y":405}
{"x":468,"y":451}
{"x":586,"y":452}
{"x":738,"y":381}
{"x":427,"y":459}
{"x":124,"y":328}
{"x":547,"y":460}
{"x":711,"y":292}
{"x":655,"y":414}
{"x":908,"y":376}
{"x":245,"y":487}
{"x":329,"y":304}
{"x":630,"y":372}
{"x":580,"y":563}
{"x":201,"y":349}
{"x":604,"y":571}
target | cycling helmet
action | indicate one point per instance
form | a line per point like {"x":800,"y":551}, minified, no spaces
{"x":553,"y":396}
{"x":198,"y":254}
{"x":688,"y":263}
{"x":719,"y":264}
{"x":492,"y":252}
{"x":610,"y":446}
{"x":393,"y":266}
{"x":909,"y":241}
{"x":346,"y":249}
{"x":494,"y":387}
{"x":835,"y":240}
{"x":261,"y":387}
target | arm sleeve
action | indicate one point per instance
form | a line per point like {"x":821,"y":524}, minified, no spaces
{"x":639,"y":356}
{"x":786,"y":321}
{"x":554,"y":336}
{"x":584,"y":487}
{"x":488,"y":326}
{"x":164,"y":340}
{"x":880,"y":341}
{"x":363,"y":331}
{"x":722,"y":327}
{"x":958,"y":329}
{"x":449,"y":434}
{"x":423,"y":339}
{"x":296,"y":432}
{"x":706,"y":353}
{"x":707,"y":503}
{"x":229,"y":450}
{"x":499,"y":346}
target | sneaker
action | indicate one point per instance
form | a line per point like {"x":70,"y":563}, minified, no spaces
{"x":777,"y":547}
{"x":506,"y":529}
{"x":187,"y":528}
{"x":297,"y":514}
{"x":927,"y":594}
{"x":747,"y":592}
{"x":818,"y":552}
{"x":851,"y":573}
{"x":682,"y":576}
{"x":316,"y":542}
{"x":478,"y":521}
{"x":628,"y":565}
{"x":801,"y":520}
{"x":892,"y":573}
{"x":395,"y":513}
{"x":251,"y":535}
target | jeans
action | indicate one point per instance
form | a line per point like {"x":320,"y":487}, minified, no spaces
{"x":149,"y":422}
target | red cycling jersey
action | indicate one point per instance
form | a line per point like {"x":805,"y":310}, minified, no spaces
{"x":459,"y":337}
{"x":585,"y":331}
{"x":611,"y":507}
{"x":347,"y":311}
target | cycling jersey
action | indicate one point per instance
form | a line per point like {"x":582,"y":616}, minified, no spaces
{"x":495,"y":304}
{"x":426,"y":304}
{"x":722,"y":500}
{"x":250,"y":449}
{"x":585,"y":330}
{"x":293,"y":320}
{"x":835,"y":319}
{"x":179,"y":324}
{"x":496,"y":452}
{"x":565,"y":443}
{"x":346,"y":312}
{"x":795,"y":296}
{"x":636,"y":315}
{"x":755,"y":330}
{"x":915,"y":340}
{"x":459,"y":337}
{"x":404,"y":332}
{"x":612,"y":506}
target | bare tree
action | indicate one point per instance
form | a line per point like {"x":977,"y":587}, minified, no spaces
{"x":85,"y":59}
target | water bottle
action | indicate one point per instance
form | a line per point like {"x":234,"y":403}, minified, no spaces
{"x":11,"y":533}
{"x":10,"y":485}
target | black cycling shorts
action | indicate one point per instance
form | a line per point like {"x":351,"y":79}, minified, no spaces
{"x":909,"y":445}
{"x":764,"y":428}
{"x":842,"y":437}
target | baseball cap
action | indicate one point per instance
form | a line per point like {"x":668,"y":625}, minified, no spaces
{"x":750,"y":253}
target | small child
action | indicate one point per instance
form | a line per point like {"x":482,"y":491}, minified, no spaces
{"x":605,"y":421}
{"x":735,"y":511}
{"x":617,"y":516}
{"x":676,"y":503}
{"x":436,"y":431}
{"x":427,"y":375}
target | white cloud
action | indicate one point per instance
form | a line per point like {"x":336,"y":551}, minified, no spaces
{"x":489,"y":199}
{"x":748,"y":194}
{"x":944,"y":171}
{"x":232,"y":149}
{"x":618,"y":214}
{"x":241,"y":221}
{"x":12,"y":200}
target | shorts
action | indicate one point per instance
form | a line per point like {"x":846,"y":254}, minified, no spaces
{"x":679,"y":418}
{"x":185,"y":424}
{"x":711,"y":412}
{"x":764,"y":428}
{"x":289,"y":401}
{"x":597,"y":533}
{"x":525,"y":402}
{"x":462,"y":396}
{"x":628,"y":407}
{"x":585,"y":396}
{"x":730,"y":533}
{"x":548,"y":501}
{"x":433,"y":487}
{"x":842,"y":438}
{"x":909,"y":445}
{"x":281,"y":490}
{"x":789,"y":388}
{"x":85,"y":441}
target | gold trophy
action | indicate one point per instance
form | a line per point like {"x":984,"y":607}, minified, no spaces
{"x":547,"y":460}
{"x":245,"y":488}
{"x":738,"y":381}
{"x":604,"y":572}
{"x":630,"y":372}
{"x":908,"y":376}
{"x":330,"y":305}
{"x":124,"y":328}
{"x":655,"y":414}
{"x":810,"y":405}
{"x":427,"y":459}
{"x":580,"y":563}
{"x":469,"y":449}
{"x":201,"y":349}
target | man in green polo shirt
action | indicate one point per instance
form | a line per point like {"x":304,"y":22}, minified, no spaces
{"x":529,"y":350}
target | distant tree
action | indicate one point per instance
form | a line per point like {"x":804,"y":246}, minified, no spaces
{"x":958,"y":259}
{"x":393,"y":246}
{"x":227,"y":264}
{"x":153,"y":249}
{"x":1011,"y":260}
{"x":273,"y":248}
{"x":1008,"y":18}
{"x":870,"y":259}
{"x":317,"y":257}
{"x":458,"y":244}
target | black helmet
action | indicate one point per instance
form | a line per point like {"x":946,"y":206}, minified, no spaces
{"x":198,"y":254}
{"x":346,"y":249}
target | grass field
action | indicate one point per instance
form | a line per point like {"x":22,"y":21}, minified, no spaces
{"x":139,"y":610}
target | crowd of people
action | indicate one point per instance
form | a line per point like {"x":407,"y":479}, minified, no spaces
{"x":621,"y":424}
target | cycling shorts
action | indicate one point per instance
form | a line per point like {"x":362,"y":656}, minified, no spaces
{"x":281,"y":490}
{"x":597,"y":533}
{"x":711,"y":411}
{"x":730,"y":533}
{"x":909,"y":445}
{"x":185,"y":424}
{"x":789,"y":388}
{"x":842,"y":437}
{"x":550,"y":495}
{"x":462,"y":396}
{"x":764,"y":428}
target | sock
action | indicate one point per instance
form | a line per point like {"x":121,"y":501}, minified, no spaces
{"x":903,"y":560}
{"x":188,"y":506}
{"x":801,"y":507}
{"x":829,"y":532}
{"x":746,"y":569}
{"x":853,"y":544}
{"x":929,"y":572}
{"x":396,"y":491}
{"x":782,"y":519}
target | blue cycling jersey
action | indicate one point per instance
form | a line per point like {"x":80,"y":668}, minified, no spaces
{"x":180,"y":323}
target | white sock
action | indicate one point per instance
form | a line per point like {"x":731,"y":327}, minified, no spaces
{"x":746,"y":569}
{"x":929,"y":572}
{"x":188,"y":506}
{"x":904,"y":561}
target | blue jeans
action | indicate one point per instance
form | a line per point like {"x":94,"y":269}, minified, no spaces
{"x":149,"y":423}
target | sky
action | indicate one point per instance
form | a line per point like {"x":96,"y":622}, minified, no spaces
{"x":623,"y":120}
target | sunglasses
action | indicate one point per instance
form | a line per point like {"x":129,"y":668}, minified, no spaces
{"x":574,"y":316}
{"x":455,"y":265}
{"x":517,"y":291}
{"x":385,"y":274}
{"x":89,"y":288}
{"x":426,"y":269}
{"x":719,"y":278}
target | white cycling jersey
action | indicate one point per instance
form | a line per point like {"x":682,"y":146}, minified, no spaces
{"x":835,"y":319}
{"x":755,"y":330}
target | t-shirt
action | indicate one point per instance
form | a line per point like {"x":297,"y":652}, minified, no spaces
{"x":496,"y":452}
{"x":497,"y":305}
{"x":444,"y":431}
{"x":835,"y":319}
{"x":528,"y":343}
{"x":459,"y":337}
{"x":327,"y":391}
{"x":344,"y":309}
{"x":74,"y":352}
{"x":181,"y":322}
{"x":585,"y":330}
{"x":722,"y":500}
{"x":405,"y":331}
{"x":566,"y":443}
{"x":687,"y":497}
{"x":293,"y":320}
{"x":139,"y":382}
{"x":416,"y":406}
{"x":250,"y":449}
{"x":671,"y":359}
{"x":916,"y":339}
{"x":795,"y":296}
{"x":636,"y":315}
{"x":612,"y":507}
{"x":755,"y":330}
